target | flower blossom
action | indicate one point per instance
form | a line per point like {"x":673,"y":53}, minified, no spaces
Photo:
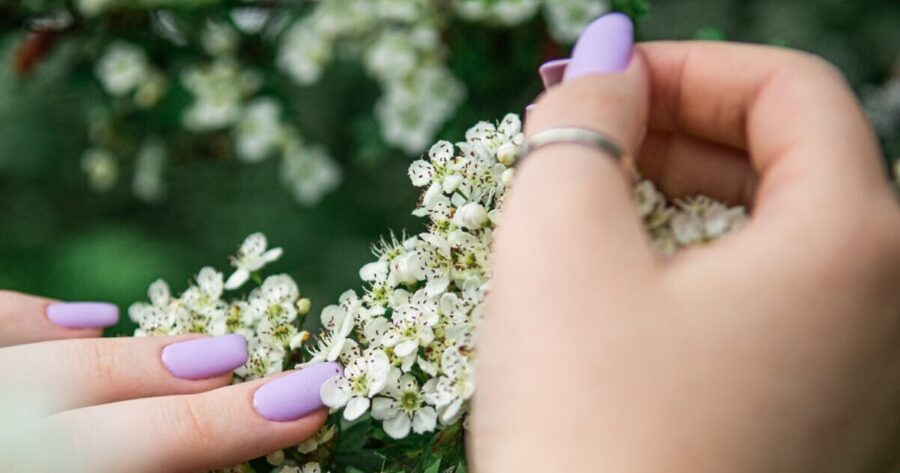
{"x":251,"y":256}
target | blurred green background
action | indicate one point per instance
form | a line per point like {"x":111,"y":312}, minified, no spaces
{"x":60,"y":239}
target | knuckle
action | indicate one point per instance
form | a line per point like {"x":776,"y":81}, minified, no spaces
{"x":194,"y":421}
{"x":103,"y":361}
{"x":813,"y":66}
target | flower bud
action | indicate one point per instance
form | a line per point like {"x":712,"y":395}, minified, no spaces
{"x":507,"y":153}
{"x":507,"y":177}
{"x":303,"y":306}
{"x":472,"y":215}
{"x":275,"y":458}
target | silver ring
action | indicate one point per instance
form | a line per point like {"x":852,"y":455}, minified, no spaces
{"x":574,"y":135}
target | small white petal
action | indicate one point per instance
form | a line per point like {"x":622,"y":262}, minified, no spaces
{"x":356,"y":407}
{"x":384,"y":408}
{"x":375,"y":271}
{"x":333,"y":394}
{"x":406,"y":348}
{"x":424,"y":420}
{"x":420,"y":173}
{"x":237,"y":279}
{"x":398,"y":426}
{"x":272,"y":255}
{"x":451,"y":412}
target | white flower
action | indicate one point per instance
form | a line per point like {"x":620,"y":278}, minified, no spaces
{"x":122,"y":68}
{"x":449,"y":392}
{"x":251,"y":256}
{"x":148,"y":183}
{"x":90,"y":8}
{"x":393,"y":55}
{"x":568,"y":18}
{"x":411,"y":327}
{"x":338,"y":324}
{"x":702,"y":219}
{"x":504,"y":12}
{"x":259,"y":131}
{"x":324,"y":435}
{"x":264,"y":359}
{"x":159,"y":293}
{"x":219,"y":39}
{"x":363,"y":378}
{"x":218,"y":90}
{"x":101,"y":168}
{"x":303,"y":53}
{"x":648,"y":198}
{"x":310,"y":467}
{"x":403,"y":407}
{"x":309,"y":173}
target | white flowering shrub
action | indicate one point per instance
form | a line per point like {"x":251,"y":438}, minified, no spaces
{"x":228,"y":75}
{"x":408,"y":340}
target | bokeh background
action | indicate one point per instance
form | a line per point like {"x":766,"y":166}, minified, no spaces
{"x":60,"y":238}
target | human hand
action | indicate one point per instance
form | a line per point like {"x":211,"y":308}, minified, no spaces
{"x":776,"y":348}
{"x":74,"y":402}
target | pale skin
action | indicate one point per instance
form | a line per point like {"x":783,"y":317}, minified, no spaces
{"x":109,"y":404}
{"x":774,"y":349}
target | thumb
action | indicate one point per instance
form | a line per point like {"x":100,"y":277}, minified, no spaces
{"x":575,"y":194}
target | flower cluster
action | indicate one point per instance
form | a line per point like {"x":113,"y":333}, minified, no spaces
{"x":565,"y":18}
{"x":690,"y":221}
{"x":399,"y":44}
{"x":227,"y":82}
{"x":268,"y":316}
{"x":225,"y":97}
{"x":407,"y":342}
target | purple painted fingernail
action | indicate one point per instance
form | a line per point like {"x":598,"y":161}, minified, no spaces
{"x":83,"y":314}
{"x":604,"y":46}
{"x":205,"y":357}
{"x":552,"y":72}
{"x":296,"y":395}
{"x":530,"y":107}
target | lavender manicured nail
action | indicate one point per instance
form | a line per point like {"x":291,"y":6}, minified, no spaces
{"x":552,"y":72}
{"x":205,"y":357}
{"x":83,"y":314}
{"x":604,"y":46}
{"x":296,"y":395}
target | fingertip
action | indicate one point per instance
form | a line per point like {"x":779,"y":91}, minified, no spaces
{"x":605,"y":46}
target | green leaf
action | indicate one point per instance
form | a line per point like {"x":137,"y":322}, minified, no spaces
{"x":435,"y":467}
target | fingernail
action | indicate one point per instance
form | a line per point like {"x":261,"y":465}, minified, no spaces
{"x":551,"y":72}
{"x":604,"y":46}
{"x":296,"y":395}
{"x":530,"y":107}
{"x":205,"y":357}
{"x":83,"y":314}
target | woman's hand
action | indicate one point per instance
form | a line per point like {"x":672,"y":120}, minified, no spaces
{"x":73,"y":402}
{"x":776,"y":348}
